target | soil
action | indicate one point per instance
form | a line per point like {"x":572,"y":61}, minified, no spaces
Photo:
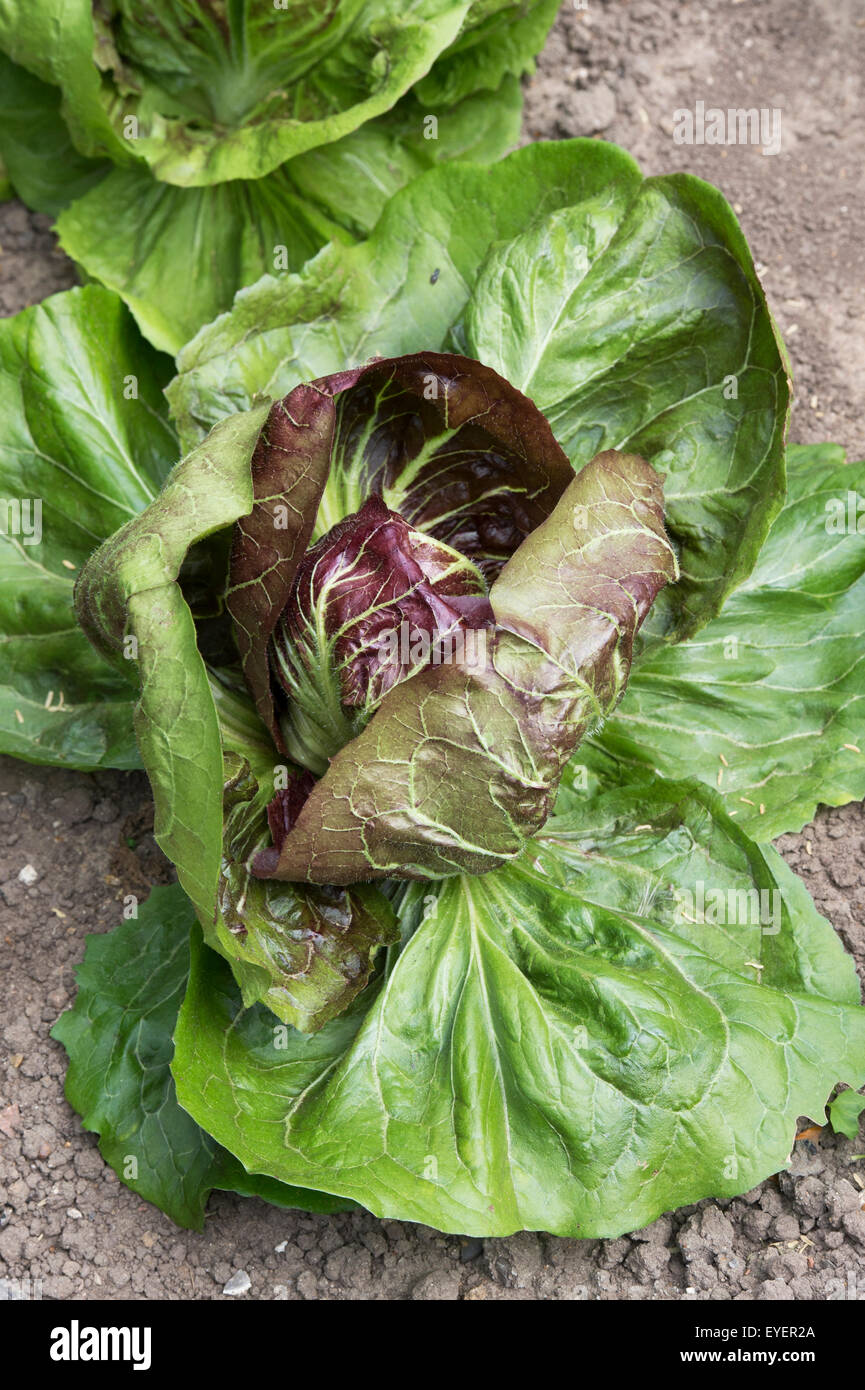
{"x":618,"y":70}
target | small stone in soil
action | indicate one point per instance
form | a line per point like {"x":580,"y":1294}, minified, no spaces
{"x":238,"y":1283}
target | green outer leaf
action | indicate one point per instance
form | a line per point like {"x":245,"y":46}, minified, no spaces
{"x":844,"y":1112}
{"x":118,"y":1036}
{"x":776,"y":683}
{"x":352,"y":179}
{"x":93,"y":458}
{"x":54,"y":40}
{"x":624,"y":308}
{"x":536,"y":1059}
{"x":179,"y":255}
{"x":687,"y":838}
{"x":43,"y":164}
{"x":129,"y":588}
{"x":631,"y":333}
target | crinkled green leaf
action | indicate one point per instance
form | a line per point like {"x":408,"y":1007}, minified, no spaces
{"x":631,"y":843}
{"x":273,"y":83}
{"x":305,"y":952}
{"x":44,"y":166}
{"x":85,"y":436}
{"x":129,"y":589}
{"x":205,"y":94}
{"x":627,"y":309}
{"x":460,"y":764}
{"x":119,"y":1039}
{"x":768,"y":703}
{"x":177,"y":254}
{"x":501,"y":39}
{"x":559,"y":1046}
{"x":650,"y":333}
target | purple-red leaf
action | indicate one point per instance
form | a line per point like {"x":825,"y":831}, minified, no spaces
{"x":371,"y":603}
{"x":459,"y":766}
{"x":447,"y":443}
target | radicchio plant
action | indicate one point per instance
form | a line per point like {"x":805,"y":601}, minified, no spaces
{"x":406,"y":983}
{"x":449,"y":760}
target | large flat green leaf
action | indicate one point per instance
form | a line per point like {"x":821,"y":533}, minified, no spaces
{"x":649,"y":332}
{"x":118,"y":1036}
{"x":178,"y":256}
{"x":574,"y":1043}
{"x":353,"y":178}
{"x":768,"y":703}
{"x":86,"y":440}
{"x":628,"y":309}
{"x":44,"y":166}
